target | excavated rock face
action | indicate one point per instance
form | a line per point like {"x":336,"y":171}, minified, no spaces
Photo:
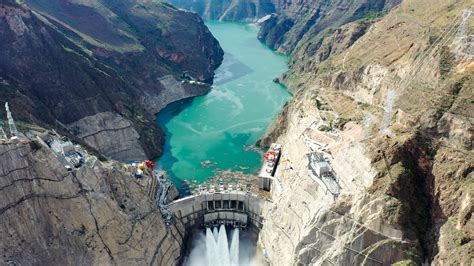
{"x":98,"y":214}
{"x":308,"y":224}
{"x":63,"y":61}
{"x":104,"y":130}
{"x":229,"y":10}
{"x":405,"y":184}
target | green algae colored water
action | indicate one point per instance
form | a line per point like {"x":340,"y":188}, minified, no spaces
{"x":232,"y":116}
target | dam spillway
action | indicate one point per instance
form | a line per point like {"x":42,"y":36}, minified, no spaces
{"x":236,"y":208}
{"x":219,"y":203}
{"x":222,"y":215}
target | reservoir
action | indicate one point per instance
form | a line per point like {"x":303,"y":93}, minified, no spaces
{"x":214,"y":131}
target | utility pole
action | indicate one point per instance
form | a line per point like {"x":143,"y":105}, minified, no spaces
{"x":11,"y":123}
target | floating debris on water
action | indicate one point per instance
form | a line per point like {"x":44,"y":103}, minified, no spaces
{"x":208,"y":163}
{"x":226,"y":180}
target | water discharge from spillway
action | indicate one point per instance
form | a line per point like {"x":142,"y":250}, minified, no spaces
{"x":234,"y":248}
{"x":221,"y":246}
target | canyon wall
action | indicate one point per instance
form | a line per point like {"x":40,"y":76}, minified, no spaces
{"x":385,"y":98}
{"x":64,"y":61}
{"x":97,"y":215}
{"x":229,"y":10}
{"x":302,"y":24}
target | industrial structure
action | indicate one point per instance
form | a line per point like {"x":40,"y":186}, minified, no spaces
{"x":320,"y":171}
{"x":270,"y":164}
{"x":236,"y":208}
{"x":66,"y":152}
{"x":219,"y":203}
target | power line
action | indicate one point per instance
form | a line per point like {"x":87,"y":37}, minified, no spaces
{"x":420,"y":64}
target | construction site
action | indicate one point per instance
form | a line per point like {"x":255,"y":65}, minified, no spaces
{"x":224,"y":182}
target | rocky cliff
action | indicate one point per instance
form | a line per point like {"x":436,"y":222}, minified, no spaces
{"x":229,"y":10}
{"x":305,"y":23}
{"x":65,"y":63}
{"x":96,"y":215}
{"x":387,"y":100}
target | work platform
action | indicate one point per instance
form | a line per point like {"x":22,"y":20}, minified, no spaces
{"x":321,"y":172}
{"x":270,"y":164}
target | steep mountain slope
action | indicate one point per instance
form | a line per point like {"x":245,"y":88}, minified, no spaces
{"x":309,"y":21}
{"x":229,"y":10}
{"x":95,"y":67}
{"x":388,"y":99}
{"x":97,"y":215}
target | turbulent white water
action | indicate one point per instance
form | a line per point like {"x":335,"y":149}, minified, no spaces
{"x":211,"y":248}
{"x":215,"y":232}
{"x":222,"y":247}
{"x":216,"y":248}
{"x":234,"y":248}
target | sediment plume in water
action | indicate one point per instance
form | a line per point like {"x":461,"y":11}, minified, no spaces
{"x":218,"y":250}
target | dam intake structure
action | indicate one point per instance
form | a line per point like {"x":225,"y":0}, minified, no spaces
{"x":223,"y":206}
{"x":222,"y":200}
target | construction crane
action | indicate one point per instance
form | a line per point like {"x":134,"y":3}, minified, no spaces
{"x":11,"y":123}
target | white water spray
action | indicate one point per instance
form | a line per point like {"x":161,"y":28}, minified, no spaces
{"x":223,"y":247}
{"x":231,"y":248}
{"x":211,"y":248}
{"x":234,"y":248}
{"x":216,"y":233}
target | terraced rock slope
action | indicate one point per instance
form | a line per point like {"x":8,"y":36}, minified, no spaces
{"x":387,"y":97}
{"x":89,"y":67}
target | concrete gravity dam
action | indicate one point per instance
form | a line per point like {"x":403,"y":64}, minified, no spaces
{"x":232,"y":220}
{"x":221,"y":220}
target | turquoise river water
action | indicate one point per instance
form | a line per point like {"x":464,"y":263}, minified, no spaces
{"x":232,"y":116}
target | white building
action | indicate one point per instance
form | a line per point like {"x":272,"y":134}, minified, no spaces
{"x":66,"y":147}
{"x":321,"y":168}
